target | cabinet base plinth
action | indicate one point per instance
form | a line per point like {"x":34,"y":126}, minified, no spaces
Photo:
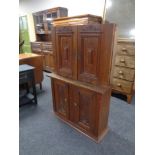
{"x":94,"y":138}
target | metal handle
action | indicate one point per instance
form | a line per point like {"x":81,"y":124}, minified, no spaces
{"x":120,"y":72}
{"x":122,"y":60}
{"x":119,"y":85}
{"x":124,"y":49}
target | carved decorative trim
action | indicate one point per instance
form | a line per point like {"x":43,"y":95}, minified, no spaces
{"x":63,"y":29}
{"x":91,"y":28}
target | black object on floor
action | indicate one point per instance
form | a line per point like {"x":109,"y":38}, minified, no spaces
{"x":120,"y":96}
{"x":26,"y":76}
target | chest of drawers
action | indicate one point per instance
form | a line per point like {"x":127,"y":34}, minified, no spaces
{"x":123,"y":68}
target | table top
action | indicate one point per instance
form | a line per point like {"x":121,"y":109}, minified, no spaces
{"x":28,"y":55}
{"x":25,"y":67}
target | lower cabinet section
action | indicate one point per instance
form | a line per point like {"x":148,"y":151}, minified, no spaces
{"x":84,"y":108}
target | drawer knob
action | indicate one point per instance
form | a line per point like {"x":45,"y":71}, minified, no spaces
{"x":119,"y":85}
{"x":122,"y":60}
{"x":124,"y":49}
{"x":120,"y":72}
{"x":75,"y":104}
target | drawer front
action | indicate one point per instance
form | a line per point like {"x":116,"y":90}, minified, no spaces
{"x":125,"y":61}
{"x":121,"y":85}
{"x":125,"y":49}
{"x":124,"y":73}
{"x":24,"y":77}
{"x":36,"y":47}
{"x":47,"y":47}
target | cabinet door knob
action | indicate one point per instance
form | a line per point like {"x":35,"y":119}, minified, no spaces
{"x":118,"y":84}
{"x":124,"y":49}
{"x":122,"y":60}
{"x":120,"y":72}
{"x":65,"y":99}
{"x":75,"y":104}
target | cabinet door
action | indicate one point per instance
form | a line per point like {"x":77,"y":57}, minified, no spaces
{"x":83,"y":109}
{"x":60,"y":91}
{"x":39,"y":22}
{"x":66,"y":51}
{"x":89,"y":49}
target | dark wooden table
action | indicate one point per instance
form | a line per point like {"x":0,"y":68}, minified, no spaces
{"x":26,"y":76}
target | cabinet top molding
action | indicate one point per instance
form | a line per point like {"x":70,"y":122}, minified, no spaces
{"x":78,"y":20}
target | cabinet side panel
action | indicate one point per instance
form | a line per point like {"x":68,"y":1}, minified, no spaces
{"x":104,"y":103}
{"x":107,"y":45}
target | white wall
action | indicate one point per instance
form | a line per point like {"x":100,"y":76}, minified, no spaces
{"x":75,"y":7}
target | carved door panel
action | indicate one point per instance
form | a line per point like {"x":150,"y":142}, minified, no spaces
{"x":83,"y":108}
{"x":61,"y":101}
{"x":66,"y":60}
{"x":89,"y":49}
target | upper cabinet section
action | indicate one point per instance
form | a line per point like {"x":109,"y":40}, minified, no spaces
{"x":43,"y":19}
{"x":123,"y":14}
{"x":84,"y":52}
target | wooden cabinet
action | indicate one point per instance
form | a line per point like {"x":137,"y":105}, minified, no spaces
{"x":86,"y":108}
{"x":48,"y":56}
{"x":44,"y":49}
{"x":48,"y":61}
{"x":39,"y":22}
{"x":43,"y":21}
{"x":84,"y":52}
{"x":36,"y":47}
{"x":81,"y":88}
{"x":123,"y":68}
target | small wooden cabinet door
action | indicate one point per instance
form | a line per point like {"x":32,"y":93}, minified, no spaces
{"x":89,"y":49}
{"x":83,"y":109}
{"x":46,"y":57}
{"x":66,"y":51}
{"x":61,"y":102}
{"x":51,"y":60}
